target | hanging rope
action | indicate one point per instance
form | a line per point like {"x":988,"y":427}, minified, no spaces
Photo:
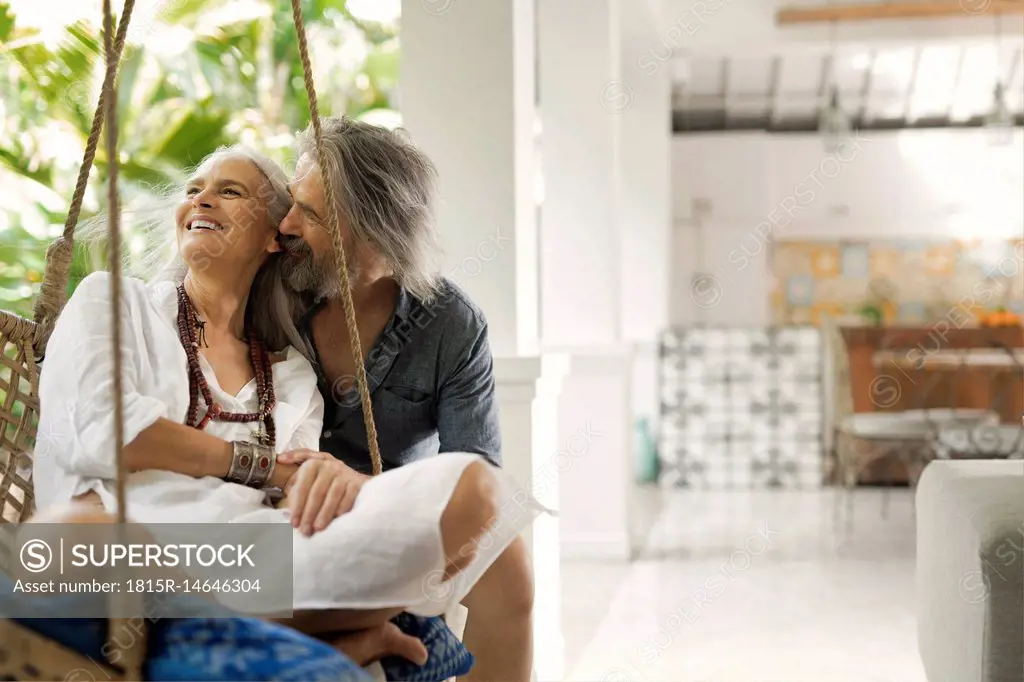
{"x":131,"y":654}
{"x":114,"y":233}
{"x":53,"y":292}
{"x":339,"y":248}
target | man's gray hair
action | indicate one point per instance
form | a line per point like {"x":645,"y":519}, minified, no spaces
{"x":385,"y":189}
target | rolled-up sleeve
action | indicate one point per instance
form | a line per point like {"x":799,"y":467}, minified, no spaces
{"x":76,"y":388}
{"x":467,"y":411}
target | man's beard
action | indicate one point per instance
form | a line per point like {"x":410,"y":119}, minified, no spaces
{"x":304,"y":272}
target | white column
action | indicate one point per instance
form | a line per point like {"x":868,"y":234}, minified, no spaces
{"x":645,"y":188}
{"x":528,"y":391}
{"x":645,"y":196}
{"x":595,"y":455}
{"x":468,"y":100}
{"x":582,"y":102}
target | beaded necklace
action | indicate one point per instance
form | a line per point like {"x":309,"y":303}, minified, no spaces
{"x":188,"y":323}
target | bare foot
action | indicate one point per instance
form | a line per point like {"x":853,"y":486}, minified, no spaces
{"x":367,"y":646}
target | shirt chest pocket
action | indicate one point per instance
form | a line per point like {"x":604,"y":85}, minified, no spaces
{"x":404,"y":416}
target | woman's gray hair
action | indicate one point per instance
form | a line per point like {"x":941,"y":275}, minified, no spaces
{"x":385,"y":189}
{"x":272,"y":307}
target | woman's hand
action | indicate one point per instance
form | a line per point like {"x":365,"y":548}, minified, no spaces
{"x":320,"y":491}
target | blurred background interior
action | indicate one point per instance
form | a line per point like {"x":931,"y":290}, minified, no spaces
{"x":752,"y":269}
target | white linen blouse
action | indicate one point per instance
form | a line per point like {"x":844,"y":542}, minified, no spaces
{"x":386,"y":552}
{"x":75,"y":441}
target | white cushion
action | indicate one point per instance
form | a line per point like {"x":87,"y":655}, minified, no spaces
{"x":911,"y":424}
{"x":952,"y":414}
{"x":969,"y":579}
{"x":980,"y":440}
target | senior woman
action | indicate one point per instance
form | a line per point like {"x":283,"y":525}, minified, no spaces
{"x":215,"y":387}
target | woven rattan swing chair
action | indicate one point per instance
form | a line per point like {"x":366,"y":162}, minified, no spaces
{"x":24,"y":653}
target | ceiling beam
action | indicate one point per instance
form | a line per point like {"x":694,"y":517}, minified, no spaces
{"x":955,"y":89}
{"x":866,"y":85}
{"x":930,"y":9}
{"x":773,"y":89}
{"x":911,"y":86}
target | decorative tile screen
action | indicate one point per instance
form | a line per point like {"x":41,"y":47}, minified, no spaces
{"x":741,"y":408}
{"x":923,"y":279}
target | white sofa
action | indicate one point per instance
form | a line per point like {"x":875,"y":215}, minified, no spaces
{"x":970,"y":570}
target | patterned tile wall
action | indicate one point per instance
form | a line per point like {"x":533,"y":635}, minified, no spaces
{"x":741,"y":408}
{"x":926,"y":279}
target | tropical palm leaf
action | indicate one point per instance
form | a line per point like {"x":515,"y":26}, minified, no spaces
{"x":14,"y":159}
{"x":231,"y":72}
{"x":132,"y":60}
{"x":188,"y":12}
{"x":6,"y":22}
{"x":193,"y":135}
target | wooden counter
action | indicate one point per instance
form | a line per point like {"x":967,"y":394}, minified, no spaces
{"x":906,"y":368}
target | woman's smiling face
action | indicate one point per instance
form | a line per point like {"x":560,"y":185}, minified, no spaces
{"x":223,"y":215}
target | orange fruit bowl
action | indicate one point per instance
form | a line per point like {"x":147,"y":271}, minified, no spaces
{"x":999,"y":318}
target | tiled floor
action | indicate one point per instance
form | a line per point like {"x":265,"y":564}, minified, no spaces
{"x":751,"y":587}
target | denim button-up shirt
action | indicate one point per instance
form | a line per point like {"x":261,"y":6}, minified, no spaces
{"x":430,"y":374}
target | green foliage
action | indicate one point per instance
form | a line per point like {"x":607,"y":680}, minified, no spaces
{"x":6,"y":21}
{"x":22,"y":258}
{"x":225,"y":77}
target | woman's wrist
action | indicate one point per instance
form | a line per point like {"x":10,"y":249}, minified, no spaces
{"x":221,"y":461}
{"x":281,"y":474}
{"x":252,"y":464}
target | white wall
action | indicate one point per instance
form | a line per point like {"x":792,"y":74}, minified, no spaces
{"x":734,"y":192}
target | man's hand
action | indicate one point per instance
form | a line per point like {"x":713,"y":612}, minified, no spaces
{"x":320,"y":491}
{"x":367,"y":646}
{"x":288,"y":465}
{"x":300,"y":456}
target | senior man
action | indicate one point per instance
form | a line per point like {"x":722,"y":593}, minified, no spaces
{"x":428,"y":362}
